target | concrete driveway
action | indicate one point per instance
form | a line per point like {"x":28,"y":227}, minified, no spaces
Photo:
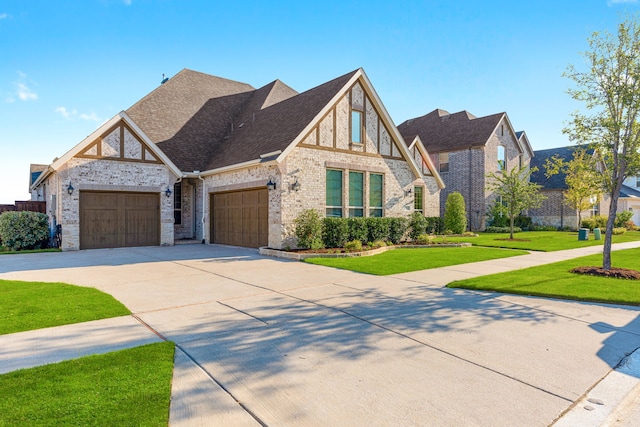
{"x":273,"y":342}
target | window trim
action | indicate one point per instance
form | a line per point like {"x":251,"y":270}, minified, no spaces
{"x":442,"y":169}
{"x":502,"y":164}
{"x":418,"y":189}
{"x":360,"y":134}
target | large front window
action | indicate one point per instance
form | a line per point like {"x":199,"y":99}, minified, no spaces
{"x":375,"y":194}
{"x":356,"y":194}
{"x":334,"y":193}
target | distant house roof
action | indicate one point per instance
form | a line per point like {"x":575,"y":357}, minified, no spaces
{"x":557,"y":181}
{"x":441,"y":131}
{"x":35,"y":170}
{"x":629,"y":192}
{"x":202,"y":122}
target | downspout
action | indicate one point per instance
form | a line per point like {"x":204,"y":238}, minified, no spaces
{"x":469,"y":210}
{"x":203,"y":201}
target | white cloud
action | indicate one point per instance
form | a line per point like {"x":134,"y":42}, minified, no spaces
{"x":4,"y":15}
{"x":73,"y":114}
{"x":25,"y":93}
{"x":612,"y":2}
{"x":127,"y":2}
{"x":22,"y":91}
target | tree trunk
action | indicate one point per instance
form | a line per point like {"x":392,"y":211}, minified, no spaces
{"x":511,"y":221}
{"x":579,"y":219}
{"x":606,"y":251}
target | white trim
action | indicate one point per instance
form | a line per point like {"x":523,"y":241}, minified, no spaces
{"x":425,"y":155}
{"x":256,"y":162}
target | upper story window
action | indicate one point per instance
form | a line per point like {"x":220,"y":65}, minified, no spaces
{"x":502,"y":158}
{"x":356,"y":127}
{"x":376,"y":183}
{"x":177,"y":203}
{"x":334,"y":193}
{"x":443,"y":162}
{"x":418,"y":199}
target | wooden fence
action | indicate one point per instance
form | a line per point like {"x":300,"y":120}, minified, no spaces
{"x":28,"y":205}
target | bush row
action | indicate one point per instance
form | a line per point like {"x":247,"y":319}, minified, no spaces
{"x":24,"y":230}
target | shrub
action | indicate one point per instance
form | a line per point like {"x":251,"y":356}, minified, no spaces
{"x":377,"y":229}
{"x":357,"y":229}
{"x":417,"y":225}
{"x":492,"y":229}
{"x":597,"y":221}
{"x":24,"y":230}
{"x":425,"y":239}
{"x":378,"y":244}
{"x":435,"y":225}
{"x":589,"y":223}
{"x":536,"y":227}
{"x":469,"y":234}
{"x":622,"y":218}
{"x":336,"y":232}
{"x":619,"y":230}
{"x":353,"y":246}
{"x":309,"y":229}
{"x":455,"y":213}
{"x":497,"y":215}
{"x":397,"y":229}
{"x":523,"y":222}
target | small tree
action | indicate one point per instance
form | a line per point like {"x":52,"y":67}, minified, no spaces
{"x":309,"y":229}
{"x":610,"y":90}
{"x":583,"y":180}
{"x":455,"y":213}
{"x":518,"y":193}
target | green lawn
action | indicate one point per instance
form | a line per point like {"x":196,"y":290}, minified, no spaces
{"x":554,"y":280}
{"x":546,"y":241}
{"x":33,"y":305}
{"x":5,"y":251}
{"x":405,"y":260}
{"x":124,"y":388}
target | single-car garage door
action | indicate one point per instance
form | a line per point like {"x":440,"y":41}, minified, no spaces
{"x":240,"y":218}
{"x":119,"y":219}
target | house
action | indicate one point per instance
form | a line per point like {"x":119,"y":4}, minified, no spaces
{"x":554,"y":211}
{"x":218,"y":161}
{"x":630,"y":198}
{"x":464,"y":149}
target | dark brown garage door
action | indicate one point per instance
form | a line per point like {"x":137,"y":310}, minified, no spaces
{"x":119,"y":219}
{"x":240,"y":218}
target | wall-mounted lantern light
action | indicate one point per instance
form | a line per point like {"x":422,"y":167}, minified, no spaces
{"x":296,"y":185}
{"x":271,"y":184}
{"x":167,"y":192}
{"x":70,"y":188}
{"x":408,"y":192}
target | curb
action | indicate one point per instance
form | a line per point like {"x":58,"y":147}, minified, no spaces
{"x":276,"y":253}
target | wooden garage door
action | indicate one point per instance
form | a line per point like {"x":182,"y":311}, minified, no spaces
{"x":240,"y":218}
{"x":119,"y":219}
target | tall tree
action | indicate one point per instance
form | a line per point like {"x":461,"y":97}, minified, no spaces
{"x":610,"y":90}
{"x":583,"y":179}
{"x":518,"y":193}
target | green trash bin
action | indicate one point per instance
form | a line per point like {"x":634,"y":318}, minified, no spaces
{"x":596,"y":234}
{"x":583,"y":234}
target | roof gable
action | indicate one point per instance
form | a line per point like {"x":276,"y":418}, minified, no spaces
{"x":439,"y":131}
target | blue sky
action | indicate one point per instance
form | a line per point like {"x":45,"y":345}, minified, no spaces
{"x":66,"y":66}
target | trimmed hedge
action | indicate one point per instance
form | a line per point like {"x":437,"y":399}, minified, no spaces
{"x":24,"y":230}
{"x":397,"y":229}
{"x":358,"y":229}
{"x":435,"y":225}
{"x":377,"y":229}
{"x":417,"y":225}
{"x":335,"y":233}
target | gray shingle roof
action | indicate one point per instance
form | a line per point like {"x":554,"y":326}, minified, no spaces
{"x":441,"y":131}
{"x":203,"y":122}
{"x":627,"y":191}
{"x":556,"y":181}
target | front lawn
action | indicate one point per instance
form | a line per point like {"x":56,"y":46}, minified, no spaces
{"x":26,"y":306}
{"x":124,"y":388}
{"x":554,"y":280}
{"x":545,"y":241}
{"x":405,"y":260}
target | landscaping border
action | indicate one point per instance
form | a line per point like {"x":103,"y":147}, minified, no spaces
{"x":277,"y":253}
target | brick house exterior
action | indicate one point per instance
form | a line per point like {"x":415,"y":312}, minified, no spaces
{"x":218,"y":161}
{"x":464,"y":149}
{"x":554,"y":211}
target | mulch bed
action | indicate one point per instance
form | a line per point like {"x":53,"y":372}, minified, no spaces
{"x":618,"y":273}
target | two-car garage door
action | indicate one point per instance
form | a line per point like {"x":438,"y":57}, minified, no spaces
{"x":119,"y":219}
{"x":240,"y":218}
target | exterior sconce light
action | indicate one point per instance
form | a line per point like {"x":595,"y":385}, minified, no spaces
{"x":167,"y":192}
{"x":408,"y":192}
{"x":271,"y":184}
{"x":296,"y":185}
{"x":70,"y":188}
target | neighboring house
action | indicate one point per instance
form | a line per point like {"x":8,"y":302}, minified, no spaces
{"x":216,"y":160}
{"x":554,"y":210}
{"x":630,"y":198}
{"x":35,"y":171}
{"x":464,"y":149}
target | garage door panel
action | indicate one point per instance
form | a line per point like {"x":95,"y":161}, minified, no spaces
{"x":240,"y":218}
{"x":119,"y":219}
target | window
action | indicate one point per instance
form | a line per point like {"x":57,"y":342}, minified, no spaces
{"x":638,"y":181}
{"x":334,"y":193}
{"x":443,"y":161}
{"x":418,"y":199}
{"x":520,"y":161}
{"x":356,"y":127}
{"x":502,"y":158}
{"x":177,"y":203}
{"x":375,"y":194}
{"x":356,"y":194}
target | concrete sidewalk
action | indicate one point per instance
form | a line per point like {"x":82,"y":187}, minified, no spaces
{"x":228,"y":308}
